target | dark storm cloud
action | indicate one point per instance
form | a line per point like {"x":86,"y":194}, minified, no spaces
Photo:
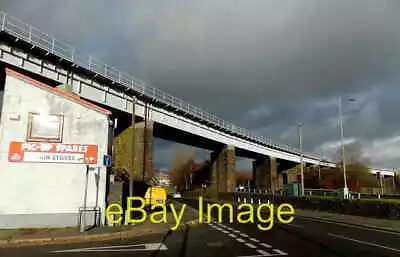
{"x":265,"y":65}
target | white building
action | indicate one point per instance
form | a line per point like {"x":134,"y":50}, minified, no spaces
{"x":162,"y":178}
{"x":47,"y":136}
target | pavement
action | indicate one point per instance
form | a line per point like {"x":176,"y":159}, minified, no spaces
{"x":43,"y":236}
{"x":302,"y":237}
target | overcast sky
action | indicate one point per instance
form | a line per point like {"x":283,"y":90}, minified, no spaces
{"x":265,"y":65}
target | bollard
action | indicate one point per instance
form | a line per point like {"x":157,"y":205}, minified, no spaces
{"x":251,"y":201}
{"x":359,"y":196}
{"x":238,"y":199}
{"x":259,"y":201}
{"x":244,"y":200}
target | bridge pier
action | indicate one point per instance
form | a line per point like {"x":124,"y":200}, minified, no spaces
{"x":265,"y":173}
{"x":144,"y":142}
{"x":223,"y":177}
{"x":143,"y":151}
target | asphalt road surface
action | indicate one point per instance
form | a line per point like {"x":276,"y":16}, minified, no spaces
{"x":302,"y":237}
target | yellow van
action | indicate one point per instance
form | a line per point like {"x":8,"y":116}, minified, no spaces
{"x":155,"y":195}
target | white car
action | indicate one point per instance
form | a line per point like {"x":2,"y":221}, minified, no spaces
{"x":177,"y":195}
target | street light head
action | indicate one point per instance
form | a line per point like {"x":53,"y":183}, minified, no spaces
{"x":351,"y":100}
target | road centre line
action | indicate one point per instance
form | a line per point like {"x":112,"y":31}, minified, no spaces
{"x":280,"y":252}
{"x":263,"y":253}
{"x":254,"y":240}
{"x":266,"y":245}
{"x":364,"y":242}
{"x":250,"y":245}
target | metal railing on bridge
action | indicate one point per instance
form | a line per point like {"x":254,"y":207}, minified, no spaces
{"x":319,"y":192}
{"x":37,"y":38}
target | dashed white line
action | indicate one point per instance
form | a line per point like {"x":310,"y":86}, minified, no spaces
{"x":250,"y":245}
{"x":264,"y":253}
{"x":254,"y":240}
{"x":227,"y":230}
{"x":266,"y":245}
{"x":280,"y":252}
{"x":365,"y":243}
{"x":240,"y":240}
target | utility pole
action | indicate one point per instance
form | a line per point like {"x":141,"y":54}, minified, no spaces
{"x":301,"y":158}
{"x":342,"y":142}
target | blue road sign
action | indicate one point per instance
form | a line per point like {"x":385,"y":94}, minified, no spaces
{"x":107,"y":160}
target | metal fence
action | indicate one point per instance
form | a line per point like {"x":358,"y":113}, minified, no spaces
{"x":36,"y":37}
{"x":319,"y":192}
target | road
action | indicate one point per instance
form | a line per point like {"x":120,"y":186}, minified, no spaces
{"x":302,"y":237}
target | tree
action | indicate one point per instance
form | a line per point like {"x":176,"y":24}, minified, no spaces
{"x":181,"y":169}
{"x":353,"y":154}
{"x":358,"y":176}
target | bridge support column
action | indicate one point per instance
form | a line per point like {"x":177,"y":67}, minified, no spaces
{"x":223,"y":176}
{"x":143,"y":151}
{"x":260,"y":170}
{"x":265,"y":174}
{"x":273,"y":175}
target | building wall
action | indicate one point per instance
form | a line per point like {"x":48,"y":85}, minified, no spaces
{"x":47,"y":194}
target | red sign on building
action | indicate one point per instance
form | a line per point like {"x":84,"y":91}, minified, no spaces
{"x":52,"y":153}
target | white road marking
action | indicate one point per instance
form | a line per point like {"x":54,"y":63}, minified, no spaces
{"x":232,"y":235}
{"x":264,"y":253}
{"x":277,"y":252}
{"x":240,"y":240}
{"x":266,"y":245}
{"x":250,"y":245}
{"x":365,"y":243}
{"x":280,"y":252}
{"x":117,"y":248}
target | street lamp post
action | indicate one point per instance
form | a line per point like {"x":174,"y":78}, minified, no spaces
{"x":301,"y":158}
{"x":342,"y":142}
